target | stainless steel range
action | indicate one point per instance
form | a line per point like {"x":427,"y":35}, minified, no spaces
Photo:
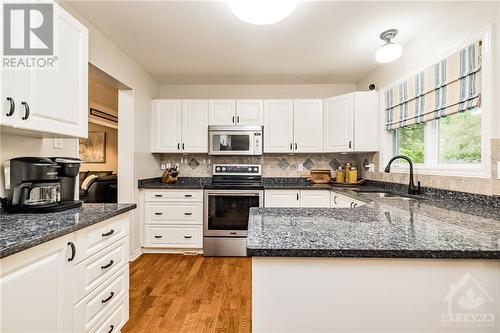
{"x":234,"y":189}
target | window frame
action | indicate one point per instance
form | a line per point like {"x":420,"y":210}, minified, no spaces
{"x":431,"y":165}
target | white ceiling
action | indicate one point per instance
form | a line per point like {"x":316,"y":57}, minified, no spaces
{"x":202,"y":42}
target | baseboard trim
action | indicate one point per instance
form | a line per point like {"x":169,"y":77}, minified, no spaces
{"x":172,"y":251}
{"x":137,"y":253}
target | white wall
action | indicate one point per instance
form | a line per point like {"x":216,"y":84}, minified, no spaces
{"x":460,"y":22}
{"x":107,"y":57}
{"x":243,"y":91}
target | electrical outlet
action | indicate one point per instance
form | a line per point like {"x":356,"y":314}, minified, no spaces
{"x":58,"y":143}
{"x":300,"y":167}
{"x":163,"y":166}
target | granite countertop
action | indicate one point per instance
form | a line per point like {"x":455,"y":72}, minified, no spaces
{"x":383,"y":228}
{"x":22,"y":231}
{"x":188,"y":183}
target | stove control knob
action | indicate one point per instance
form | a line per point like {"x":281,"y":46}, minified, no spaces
{"x":217,"y":168}
{"x":249,"y":169}
{"x":255,"y":169}
{"x":223,"y":168}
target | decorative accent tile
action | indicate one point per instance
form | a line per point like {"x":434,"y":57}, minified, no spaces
{"x":193,"y":164}
{"x":308,"y":164}
{"x":283,"y":164}
{"x":334,"y":164}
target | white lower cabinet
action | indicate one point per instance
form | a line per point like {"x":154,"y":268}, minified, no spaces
{"x":309,"y":198}
{"x":173,"y":220}
{"x":343,"y":201}
{"x":36,"y":289}
{"x":315,"y":198}
{"x":75,"y":283}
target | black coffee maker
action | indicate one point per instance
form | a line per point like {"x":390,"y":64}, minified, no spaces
{"x":42,"y":185}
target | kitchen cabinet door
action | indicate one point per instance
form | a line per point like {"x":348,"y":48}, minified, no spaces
{"x":278,"y":126}
{"x":194,"y":126}
{"x":281,"y":198}
{"x":249,"y":112}
{"x":308,"y":125}
{"x":366,"y":121}
{"x":36,"y":287}
{"x":58,"y":101}
{"x":222,"y":112}
{"x":339,"y":123}
{"x":166,"y":122}
{"x":314,"y":198}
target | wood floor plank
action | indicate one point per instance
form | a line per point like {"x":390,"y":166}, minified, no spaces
{"x":176,"y":293}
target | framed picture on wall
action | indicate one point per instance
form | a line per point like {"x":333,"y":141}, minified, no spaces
{"x":93,"y":149}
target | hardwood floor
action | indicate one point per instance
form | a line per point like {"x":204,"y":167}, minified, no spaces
{"x":176,"y":293}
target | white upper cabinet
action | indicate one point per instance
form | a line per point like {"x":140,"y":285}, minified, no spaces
{"x":308,"y":125}
{"x":166,"y":122}
{"x":52,"y":100}
{"x":339,"y":123}
{"x":293,"y":126}
{"x":235,"y":112}
{"x":194,"y":126}
{"x":222,"y":112}
{"x":278,"y":126}
{"x":352,"y":122}
{"x":249,"y":112}
{"x":179,"y":126}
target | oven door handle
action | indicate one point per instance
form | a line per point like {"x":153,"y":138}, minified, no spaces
{"x":239,"y":194}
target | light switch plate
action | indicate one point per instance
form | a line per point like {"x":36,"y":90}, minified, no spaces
{"x":58,"y":143}
{"x":163,"y":166}
{"x":300,"y":167}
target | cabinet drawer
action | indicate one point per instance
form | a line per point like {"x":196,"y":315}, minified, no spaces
{"x":115,"y":319}
{"x":95,"y":238}
{"x":190,"y":212}
{"x":90,"y":273}
{"x":174,"y":236}
{"x":94,"y":307}
{"x":174,"y":195}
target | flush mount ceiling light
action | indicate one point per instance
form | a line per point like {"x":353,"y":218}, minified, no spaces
{"x":262,"y":12}
{"x":390,"y":51}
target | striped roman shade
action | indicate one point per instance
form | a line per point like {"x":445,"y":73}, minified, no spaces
{"x":452,"y":85}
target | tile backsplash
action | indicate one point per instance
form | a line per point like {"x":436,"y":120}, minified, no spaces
{"x":273,"y":165}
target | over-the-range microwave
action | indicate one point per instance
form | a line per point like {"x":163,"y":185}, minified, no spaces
{"x":235,"y":140}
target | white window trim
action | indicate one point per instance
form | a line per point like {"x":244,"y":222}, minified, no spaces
{"x":432,"y":167}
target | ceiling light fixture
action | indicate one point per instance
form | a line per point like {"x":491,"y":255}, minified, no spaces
{"x":262,"y":12}
{"x":390,"y":51}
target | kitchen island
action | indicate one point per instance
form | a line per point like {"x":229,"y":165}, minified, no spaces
{"x":395,"y":264}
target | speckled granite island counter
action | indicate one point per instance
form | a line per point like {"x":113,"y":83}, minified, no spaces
{"x":20,"y":232}
{"x":326,"y":269}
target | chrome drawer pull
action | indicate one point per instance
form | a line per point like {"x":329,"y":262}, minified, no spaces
{"x":188,"y":214}
{"x":109,"y":298}
{"x":158,"y":236}
{"x":111,"y":262}
{"x":188,"y":237}
{"x":158,"y":213}
{"x":109,"y":233}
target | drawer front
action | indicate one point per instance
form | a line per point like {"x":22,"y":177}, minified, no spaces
{"x":92,"y":272}
{"x":95,"y":238}
{"x":315,"y":198}
{"x":174,"y":236}
{"x":93,"y":308}
{"x":174,"y":212}
{"x":174,"y":195}
{"x":343,"y":201}
{"x":115,"y":319}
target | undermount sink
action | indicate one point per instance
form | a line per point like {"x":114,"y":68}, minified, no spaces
{"x":388,"y":194}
